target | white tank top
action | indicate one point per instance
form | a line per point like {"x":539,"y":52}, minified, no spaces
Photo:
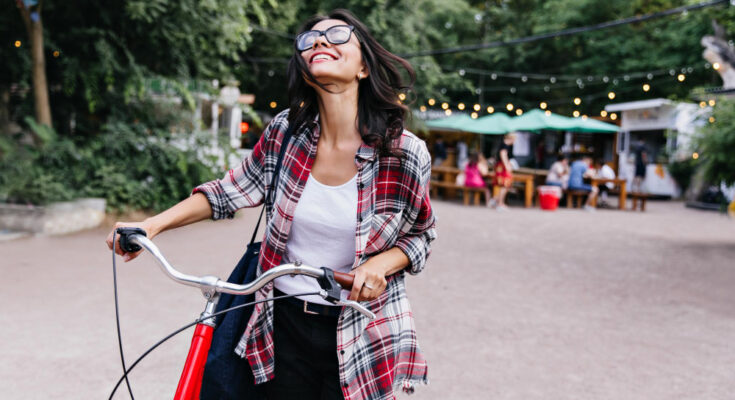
{"x":322,"y":234}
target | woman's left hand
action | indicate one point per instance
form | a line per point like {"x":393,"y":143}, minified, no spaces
{"x":369,"y":281}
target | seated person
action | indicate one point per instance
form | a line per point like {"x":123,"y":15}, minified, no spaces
{"x":581,"y":169}
{"x":604,"y":172}
{"x":473,"y":173}
{"x":559,"y":172}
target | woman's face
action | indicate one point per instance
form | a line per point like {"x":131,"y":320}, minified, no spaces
{"x":334,"y":63}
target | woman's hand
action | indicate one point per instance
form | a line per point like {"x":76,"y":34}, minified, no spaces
{"x":369,"y":281}
{"x":145,"y":225}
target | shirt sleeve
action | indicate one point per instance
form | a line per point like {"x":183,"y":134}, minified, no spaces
{"x":421,"y":231}
{"x":241,"y":187}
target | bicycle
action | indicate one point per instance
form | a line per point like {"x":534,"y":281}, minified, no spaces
{"x":189,"y":386}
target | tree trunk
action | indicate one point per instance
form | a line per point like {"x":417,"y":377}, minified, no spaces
{"x":34,"y":28}
{"x":40,"y":86}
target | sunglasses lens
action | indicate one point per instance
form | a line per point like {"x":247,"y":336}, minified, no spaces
{"x":306,"y":40}
{"x":338,"y":34}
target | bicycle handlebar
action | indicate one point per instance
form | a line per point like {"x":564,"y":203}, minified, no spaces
{"x":212,"y":283}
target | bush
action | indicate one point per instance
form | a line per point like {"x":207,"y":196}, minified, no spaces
{"x":133,"y":166}
{"x":716,"y":144}
{"x":682,"y":172}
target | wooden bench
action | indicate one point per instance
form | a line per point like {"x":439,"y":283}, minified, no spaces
{"x":578,"y":197}
{"x":639,"y":196}
{"x":475,"y":192}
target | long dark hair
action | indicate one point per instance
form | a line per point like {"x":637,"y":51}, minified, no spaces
{"x":380,"y":114}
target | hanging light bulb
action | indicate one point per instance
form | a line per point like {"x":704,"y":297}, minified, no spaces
{"x":273,"y":104}
{"x":519,"y":112}
{"x":547,"y":112}
{"x":432,"y":102}
{"x":613,"y":116}
{"x":543,"y":105}
{"x":448,"y":112}
{"x":473,"y":115}
{"x":611,"y":95}
{"x":445,"y":105}
{"x":711,"y":120}
{"x":18,"y":43}
{"x":695,"y":155}
{"x":577,"y":101}
{"x":509,"y":106}
{"x":681,"y":77}
{"x":575,"y":113}
{"x":603,"y":113}
{"x":716,"y":66}
{"x":476,"y":107}
{"x":490,"y":109}
{"x":712,"y":102}
{"x":702,"y":104}
{"x":401,"y":96}
{"x":422,"y":108}
{"x":460,"y":106}
{"x":646,"y":87}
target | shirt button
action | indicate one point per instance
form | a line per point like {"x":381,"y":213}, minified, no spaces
{"x":361,"y":185}
{"x":345,"y":384}
{"x":341,"y":352}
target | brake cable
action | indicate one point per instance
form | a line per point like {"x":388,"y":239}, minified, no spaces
{"x":126,"y":371}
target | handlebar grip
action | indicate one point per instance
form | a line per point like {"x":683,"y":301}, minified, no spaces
{"x":344,"y":280}
{"x":125,"y":234}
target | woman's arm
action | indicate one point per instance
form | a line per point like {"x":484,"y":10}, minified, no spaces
{"x":504,"y":159}
{"x":188,"y":211}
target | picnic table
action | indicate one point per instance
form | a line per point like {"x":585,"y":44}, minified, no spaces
{"x":618,"y":182}
{"x":448,"y":175}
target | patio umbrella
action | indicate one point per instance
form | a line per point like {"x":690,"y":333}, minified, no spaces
{"x":453,"y":123}
{"x":493,"y":124}
{"x":589,"y":125}
{"x":536,"y":120}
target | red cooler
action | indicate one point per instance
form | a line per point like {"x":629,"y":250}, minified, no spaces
{"x":549,"y":197}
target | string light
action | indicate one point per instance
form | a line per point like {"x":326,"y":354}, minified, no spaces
{"x":711,"y":120}
{"x":17,"y":43}
{"x":543,"y":105}
{"x":445,"y":106}
{"x":448,"y":112}
{"x":509,"y":107}
{"x":402,"y":96}
{"x":716,"y":66}
{"x":577,"y":101}
{"x":695,"y":155}
{"x":611,"y":95}
{"x":712,"y":102}
{"x":646,"y":87}
{"x":473,"y":115}
{"x":547,"y":112}
{"x":432,"y":102}
{"x":603,"y":113}
{"x":477,"y":107}
{"x":519,"y":112}
{"x":584,"y":117}
{"x":460,"y":106}
{"x":702,"y":104}
{"x":422,"y":108}
{"x":273,"y":104}
{"x":56,"y":54}
{"x":490,"y":109}
{"x":681,"y":77}
{"x":575,"y":113}
{"x":613,"y":116}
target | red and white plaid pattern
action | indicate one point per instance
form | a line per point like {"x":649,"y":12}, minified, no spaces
{"x":393,"y":211}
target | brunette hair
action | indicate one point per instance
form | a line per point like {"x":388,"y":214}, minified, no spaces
{"x":380,"y":114}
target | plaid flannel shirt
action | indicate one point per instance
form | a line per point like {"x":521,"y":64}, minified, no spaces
{"x":375,"y":357}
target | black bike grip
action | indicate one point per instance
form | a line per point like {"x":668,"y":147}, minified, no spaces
{"x":125,"y":243}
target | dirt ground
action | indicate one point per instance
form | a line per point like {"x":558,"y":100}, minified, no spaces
{"x":524,"y":304}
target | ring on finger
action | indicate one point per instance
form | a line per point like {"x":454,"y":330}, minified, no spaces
{"x":367,"y":285}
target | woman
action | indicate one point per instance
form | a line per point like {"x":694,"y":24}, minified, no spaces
{"x":503,"y":171}
{"x":350,"y":172}
{"x":474,"y":171}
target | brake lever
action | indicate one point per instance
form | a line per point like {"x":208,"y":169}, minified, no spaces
{"x":357,"y":306}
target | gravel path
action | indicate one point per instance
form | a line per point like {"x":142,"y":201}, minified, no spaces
{"x":518,"y":305}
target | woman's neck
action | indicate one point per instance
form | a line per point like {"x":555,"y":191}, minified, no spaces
{"x":338,"y":116}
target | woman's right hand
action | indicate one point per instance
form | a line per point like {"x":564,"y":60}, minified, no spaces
{"x":144,"y":225}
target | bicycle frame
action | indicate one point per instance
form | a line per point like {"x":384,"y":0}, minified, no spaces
{"x":190,"y":382}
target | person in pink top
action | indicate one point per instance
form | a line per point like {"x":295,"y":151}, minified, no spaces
{"x":473,"y":172}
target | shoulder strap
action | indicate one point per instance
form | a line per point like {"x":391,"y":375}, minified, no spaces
{"x":274,"y":180}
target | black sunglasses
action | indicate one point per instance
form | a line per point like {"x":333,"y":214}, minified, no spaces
{"x":337,"y":34}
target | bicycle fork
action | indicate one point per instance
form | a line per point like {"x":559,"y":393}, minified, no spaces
{"x":190,"y":383}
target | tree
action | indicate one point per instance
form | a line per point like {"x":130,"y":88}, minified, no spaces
{"x":716,"y":144}
{"x":30,"y":11}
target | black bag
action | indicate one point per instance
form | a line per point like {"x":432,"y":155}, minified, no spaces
{"x":227,"y":376}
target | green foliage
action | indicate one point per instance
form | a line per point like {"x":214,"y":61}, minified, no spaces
{"x":133,"y":166}
{"x":682,"y":171}
{"x":716,"y":144}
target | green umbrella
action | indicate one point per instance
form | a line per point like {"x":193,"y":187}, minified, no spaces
{"x":493,"y":124}
{"x":536,"y":120}
{"x":454,"y":123}
{"x":589,"y":125}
